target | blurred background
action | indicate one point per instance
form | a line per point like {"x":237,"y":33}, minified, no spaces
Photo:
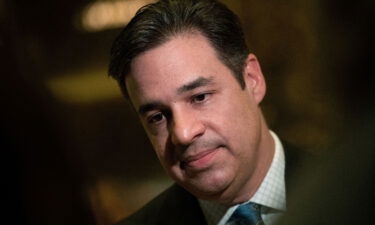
{"x":74,"y":152}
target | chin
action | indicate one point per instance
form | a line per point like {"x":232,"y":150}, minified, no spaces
{"x":208,"y":186}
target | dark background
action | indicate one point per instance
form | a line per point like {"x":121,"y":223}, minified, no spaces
{"x":74,"y":152}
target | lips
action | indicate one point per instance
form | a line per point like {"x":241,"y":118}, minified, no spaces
{"x":201,"y":160}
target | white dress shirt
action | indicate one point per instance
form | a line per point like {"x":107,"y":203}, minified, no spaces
{"x":270,"y":194}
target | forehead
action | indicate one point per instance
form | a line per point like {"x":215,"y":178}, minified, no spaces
{"x":157,"y":73}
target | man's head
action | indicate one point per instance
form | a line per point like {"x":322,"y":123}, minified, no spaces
{"x":199,"y":106}
{"x":157,"y":23}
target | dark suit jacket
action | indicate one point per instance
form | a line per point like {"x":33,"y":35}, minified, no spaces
{"x":176,"y":206}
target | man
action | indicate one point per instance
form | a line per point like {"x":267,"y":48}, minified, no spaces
{"x":185,"y":68}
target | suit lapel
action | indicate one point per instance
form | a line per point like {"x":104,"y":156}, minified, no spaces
{"x":180,"y":208}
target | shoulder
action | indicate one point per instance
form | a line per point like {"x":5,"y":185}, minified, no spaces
{"x":170,"y":207}
{"x":148,"y":213}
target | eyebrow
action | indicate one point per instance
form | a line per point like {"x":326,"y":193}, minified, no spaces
{"x":143,"y":109}
{"x":199,"y":82}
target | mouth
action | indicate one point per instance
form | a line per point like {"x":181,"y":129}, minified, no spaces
{"x":199,"y":161}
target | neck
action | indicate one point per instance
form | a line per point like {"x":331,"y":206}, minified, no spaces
{"x":264,"y":157}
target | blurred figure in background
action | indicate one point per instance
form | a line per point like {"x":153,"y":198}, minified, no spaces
{"x":340,"y":189}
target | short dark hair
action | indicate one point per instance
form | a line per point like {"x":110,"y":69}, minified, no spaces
{"x":156,"y":23}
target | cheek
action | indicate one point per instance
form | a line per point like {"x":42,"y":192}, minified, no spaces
{"x":232,"y":118}
{"x":158,"y":148}
{"x":236,"y":123}
{"x":156,"y":144}
{"x":163,"y":150}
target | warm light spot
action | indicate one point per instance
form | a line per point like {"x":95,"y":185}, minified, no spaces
{"x":103,"y":15}
{"x":84,"y":86}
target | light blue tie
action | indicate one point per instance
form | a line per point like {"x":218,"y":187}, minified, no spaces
{"x":247,"y":214}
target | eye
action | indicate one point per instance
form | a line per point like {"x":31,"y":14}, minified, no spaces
{"x":200,"y":98}
{"x":155,"y":118}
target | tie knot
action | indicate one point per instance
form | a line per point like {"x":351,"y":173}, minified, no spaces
{"x":247,"y":214}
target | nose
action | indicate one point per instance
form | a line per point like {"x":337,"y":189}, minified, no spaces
{"x":185,"y":128}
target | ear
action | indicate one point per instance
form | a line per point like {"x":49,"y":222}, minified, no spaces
{"x":254,"y":79}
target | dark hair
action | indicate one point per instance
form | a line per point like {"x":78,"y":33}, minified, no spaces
{"x":156,"y":23}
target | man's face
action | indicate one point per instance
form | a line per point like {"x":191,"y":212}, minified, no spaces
{"x":205,"y":129}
